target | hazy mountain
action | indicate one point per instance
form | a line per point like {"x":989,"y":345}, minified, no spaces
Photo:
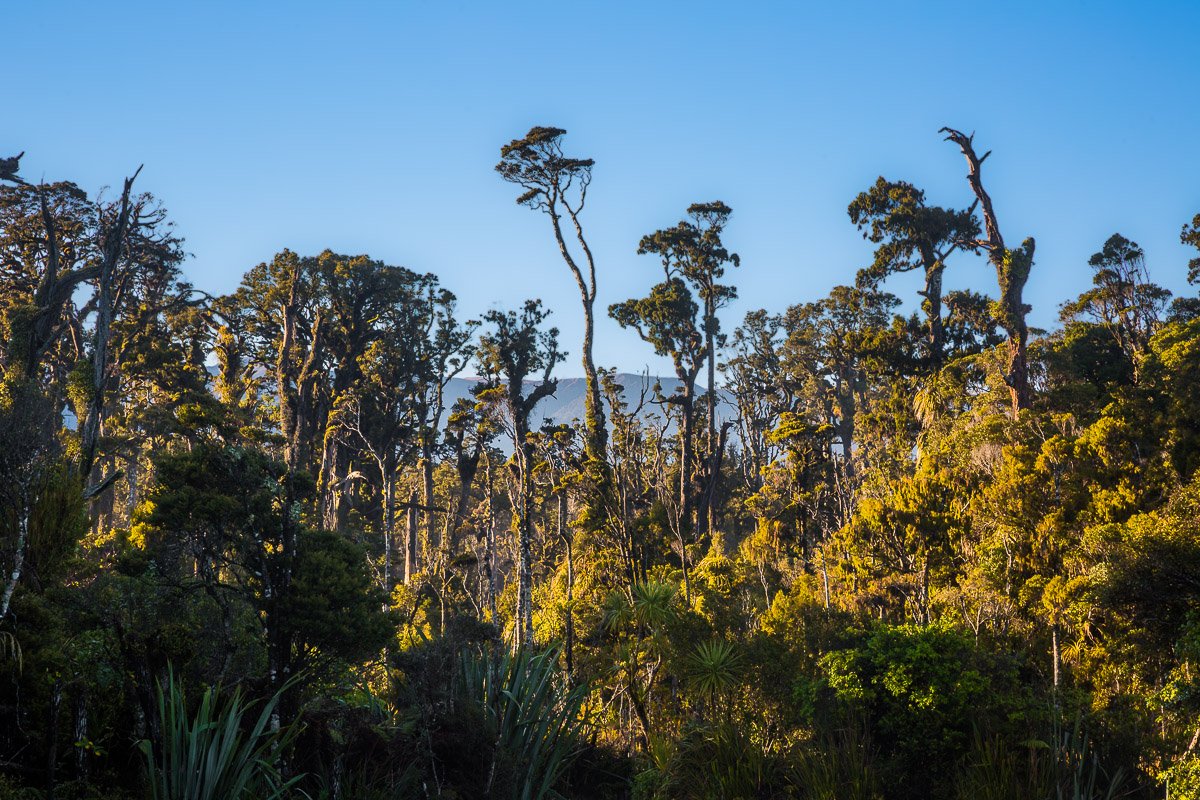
{"x":567,"y":403}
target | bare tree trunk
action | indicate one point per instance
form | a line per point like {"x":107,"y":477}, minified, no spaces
{"x":594,"y":421}
{"x":81,"y":735}
{"x":112,"y":248}
{"x":328,"y":483}
{"x":410,"y":540}
{"x":52,"y":740}
{"x":389,"y":510}
{"x":1055,"y":656}
{"x":18,"y":567}
{"x":427,"y":513}
{"x":132,"y":482}
{"x":932,"y":304}
{"x":684,"y":526}
{"x":490,"y":540}
{"x":564,"y":533}
{"x":524,"y":621}
{"x":1012,"y":272}
{"x":714,"y":471}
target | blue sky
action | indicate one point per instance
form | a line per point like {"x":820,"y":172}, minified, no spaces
{"x":374,"y":127}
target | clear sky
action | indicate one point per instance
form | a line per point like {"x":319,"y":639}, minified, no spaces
{"x":374,"y":127}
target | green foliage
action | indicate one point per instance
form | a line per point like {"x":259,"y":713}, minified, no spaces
{"x":919,"y":541}
{"x":332,"y":607}
{"x":713,"y":669}
{"x":217,"y":753}
{"x":839,"y":766}
{"x":725,"y":761}
{"x":535,"y":718}
{"x":919,"y":688}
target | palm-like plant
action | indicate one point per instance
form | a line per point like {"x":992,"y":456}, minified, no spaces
{"x":214,"y":755}
{"x":713,"y":668}
{"x":653,"y":603}
{"x":1078,"y":775}
{"x":534,"y":714}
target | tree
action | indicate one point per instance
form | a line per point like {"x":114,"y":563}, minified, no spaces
{"x":1012,"y":272}
{"x":1189,"y":307}
{"x":693,"y":250}
{"x":556,"y":185}
{"x":511,"y":352}
{"x":223,"y":518}
{"x":48,"y":236}
{"x":1190,"y":235}
{"x":442,"y":348}
{"x":1123,"y":301}
{"x":911,"y":235}
{"x":28,"y":455}
{"x":668,"y":320}
{"x":833,"y":348}
{"x":754,"y":375}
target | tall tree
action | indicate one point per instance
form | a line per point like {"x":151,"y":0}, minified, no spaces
{"x":514,"y":350}
{"x":48,"y":238}
{"x":1123,"y":300}
{"x":1012,"y":272}
{"x":693,"y":250}
{"x":137,"y":250}
{"x":442,"y":349}
{"x":556,"y":185}
{"x":668,"y":320}
{"x":911,"y":235}
{"x":1190,"y":235}
{"x":755,"y":377}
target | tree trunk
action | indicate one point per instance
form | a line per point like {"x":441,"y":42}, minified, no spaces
{"x":427,"y":513}
{"x":410,"y":540}
{"x":52,"y":740}
{"x":18,"y":567}
{"x":597,"y":431}
{"x":389,"y":510}
{"x":933,"y":310}
{"x":489,"y":547}
{"x":710,"y":510}
{"x":685,"y":487}
{"x":112,"y":247}
{"x":81,"y":735}
{"x":564,"y":533}
{"x":1055,"y":656}
{"x":1012,"y":271}
{"x":524,"y":621}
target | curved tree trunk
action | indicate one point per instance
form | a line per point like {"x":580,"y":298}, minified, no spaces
{"x":1012,"y":272}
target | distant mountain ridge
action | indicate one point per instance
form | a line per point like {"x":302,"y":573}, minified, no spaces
{"x":567,"y":404}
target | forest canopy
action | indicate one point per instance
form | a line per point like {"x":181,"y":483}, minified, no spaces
{"x":315,"y":537}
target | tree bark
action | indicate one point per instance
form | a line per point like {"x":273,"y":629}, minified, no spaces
{"x":427,"y":514}
{"x":564,"y":533}
{"x":710,"y":510}
{"x":524,"y":508}
{"x":1012,"y":271}
{"x":684,"y":525}
{"x":932,"y":292}
{"x":410,"y":540}
{"x":594,"y":421}
{"x":489,"y":553}
{"x":113,"y":245}
{"x":389,"y":510}
{"x":18,"y":567}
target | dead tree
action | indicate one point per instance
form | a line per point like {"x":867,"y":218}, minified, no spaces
{"x":1012,"y":272}
{"x":113,"y":240}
